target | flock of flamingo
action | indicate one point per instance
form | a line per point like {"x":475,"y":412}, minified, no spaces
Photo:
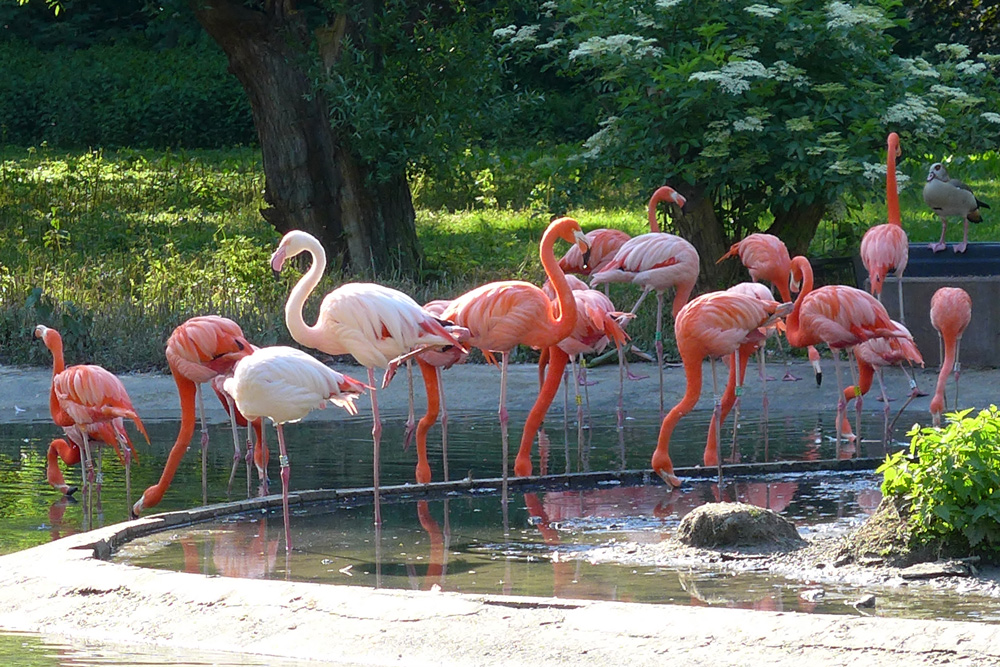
{"x":384,"y":328}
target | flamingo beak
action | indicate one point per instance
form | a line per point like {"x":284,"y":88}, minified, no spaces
{"x":682,"y":202}
{"x":583,"y":245}
{"x":278,"y":260}
{"x":40,"y":331}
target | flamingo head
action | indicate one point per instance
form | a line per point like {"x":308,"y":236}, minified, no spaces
{"x":569,"y":230}
{"x":938,"y":171}
{"x":293,"y":243}
{"x":894,"y":144}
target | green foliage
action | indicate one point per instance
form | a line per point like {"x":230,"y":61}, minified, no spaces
{"x":951,"y":480}
{"x":121,"y":95}
{"x":763,"y":107}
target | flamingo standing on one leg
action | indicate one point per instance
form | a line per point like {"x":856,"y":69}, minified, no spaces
{"x":284,"y":385}
{"x":885,"y":247}
{"x":85,"y":396}
{"x":947,"y":197}
{"x":837,"y":315}
{"x":374,"y":324}
{"x":656,"y":261}
{"x":712,"y":325}
{"x":198,"y":350}
{"x":951,"y":311}
{"x":872,"y":356}
{"x":502,"y":315}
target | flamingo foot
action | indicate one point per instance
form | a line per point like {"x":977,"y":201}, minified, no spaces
{"x":522,"y":466}
{"x":771,"y":378}
{"x":887,"y":399}
{"x":960,"y":247}
{"x":669,"y":478}
{"x":937,"y":247}
{"x":633,"y":376}
{"x":586,"y":383}
{"x":917,"y":393}
{"x":790,"y":377}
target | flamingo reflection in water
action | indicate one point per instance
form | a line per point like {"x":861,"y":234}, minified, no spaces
{"x":242,"y":550}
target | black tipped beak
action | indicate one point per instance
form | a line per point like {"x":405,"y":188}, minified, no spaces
{"x":586,"y":258}
{"x":819,"y":379}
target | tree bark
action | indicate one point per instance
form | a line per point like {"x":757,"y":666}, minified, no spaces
{"x":797,"y":226}
{"x":313,"y":181}
{"x":703,"y":229}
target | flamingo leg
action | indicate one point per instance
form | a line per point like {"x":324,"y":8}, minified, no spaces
{"x":621,"y":389}
{"x":788,"y":376}
{"x":411,"y":425}
{"x":659,"y":344}
{"x":841,"y":404}
{"x":716,"y":415}
{"x":957,"y":367}
{"x":504,"y":418}
{"x":204,"y":448}
{"x":565,"y":415}
{"x":578,"y":400}
{"x":885,"y":413}
{"x":376,"y":445}
{"x":859,"y":397}
{"x":285,"y":475}
{"x":736,"y":406}
{"x":764,"y":403}
{"x":249,"y":456}
{"x":899,"y":289}
{"x":444,"y":423}
{"x":236,"y":446}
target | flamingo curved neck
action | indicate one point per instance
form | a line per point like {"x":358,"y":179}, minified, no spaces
{"x":654,"y":225}
{"x":297,"y":327}
{"x":562,"y":325}
{"x":947,"y":365}
{"x":792,"y":332}
{"x":891,"y":194}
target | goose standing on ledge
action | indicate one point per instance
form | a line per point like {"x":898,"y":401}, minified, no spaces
{"x":948,"y":197}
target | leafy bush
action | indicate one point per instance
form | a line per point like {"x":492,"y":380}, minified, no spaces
{"x":121,"y":95}
{"x":951,"y":481}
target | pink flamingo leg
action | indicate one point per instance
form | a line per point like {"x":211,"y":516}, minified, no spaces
{"x":734,"y":454}
{"x":764,"y":401}
{"x":444,"y":423}
{"x":621,"y":389}
{"x":659,"y":344}
{"x":376,"y":445}
{"x":885,"y":412}
{"x":204,"y":448}
{"x":841,"y":405}
{"x":237,"y":457}
{"x":285,"y":475}
{"x":411,"y":424}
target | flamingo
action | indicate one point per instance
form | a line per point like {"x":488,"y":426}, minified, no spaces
{"x":951,"y":311}
{"x":284,"y":385}
{"x":198,"y":350}
{"x":885,"y":247}
{"x":712,"y":325}
{"x":431,"y":362}
{"x":376,"y":325}
{"x":766,"y":258}
{"x":737,"y":371}
{"x":603,"y":243}
{"x":873,"y":355}
{"x":947,"y":197}
{"x":82,"y":399}
{"x":657,"y":261}
{"x":502,"y":315}
{"x":837,"y":315}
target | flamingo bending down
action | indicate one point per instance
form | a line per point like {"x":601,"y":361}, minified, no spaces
{"x":374,"y":324}
{"x":885,"y":247}
{"x":604,"y":245}
{"x":951,"y":311}
{"x":87,"y":400}
{"x":198,"y":350}
{"x":712,"y":325}
{"x":284,"y":385}
{"x":656,"y":261}
{"x":737,"y":372}
{"x":837,"y":315}
{"x":872,"y":356}
{"x":502,"y":315}
{"x":947,"y":197}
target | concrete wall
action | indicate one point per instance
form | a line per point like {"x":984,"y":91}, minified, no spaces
{"x":981,"y":341}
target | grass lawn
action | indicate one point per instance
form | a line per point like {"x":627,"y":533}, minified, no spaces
{"x":115,"y":248}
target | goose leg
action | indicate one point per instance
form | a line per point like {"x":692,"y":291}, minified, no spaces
{"x":940,"y":245}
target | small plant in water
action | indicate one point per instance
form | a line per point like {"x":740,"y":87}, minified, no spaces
{"x":949,"y":483}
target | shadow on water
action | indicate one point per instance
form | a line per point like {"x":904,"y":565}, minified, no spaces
{"x":458,"y":542}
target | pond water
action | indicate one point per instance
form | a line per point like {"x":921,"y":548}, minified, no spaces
{"x":458,"y":542}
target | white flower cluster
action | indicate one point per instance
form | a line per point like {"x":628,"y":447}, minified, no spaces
{"x":843,"y":167}
{"x":918,"y":67}
{"x":784,"y":71}
{"x":914,"y":111}
{"x":627,"y":46}
{"x":505,"y":33}
{"x":551,"y":44}
{"x":843,"y":15}
{"x":749,"y":124}
{"x":764,"y":11}
{"x":990,"y":117}
{"x":970,"y":67}
{"x":548,"y":8}
{"x":526,"y":33}
{"x":956,"y":51}
{"x":601,"y":139}
{"x":734,"y":77}
{"x":667,"y":4}
{"x":800,"y":124}
{"x":990,"y":58}
{"x":949,"y":91}
{"x":876,"y":174}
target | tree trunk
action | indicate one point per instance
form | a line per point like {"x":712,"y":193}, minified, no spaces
{"x":797,"y":226}
{"x":703,"y":229}
{"x":313,"y":181}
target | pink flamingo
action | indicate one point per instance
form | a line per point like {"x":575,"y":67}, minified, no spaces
{"x":656,"y":261}
{"x":885,"y":247}
{"x":502,"y":315}
{"x":766,"y":258}
{"x":85,"y":396}
{"x":873,"y":355}
{"x":374,"y":324}
{"x":284,"y":385}
{"x":837,"y":315}
{"x":198,"y":350}
{"x":712,"y":325}
{"x":951,"y":311}
{"x":604,"y":245}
